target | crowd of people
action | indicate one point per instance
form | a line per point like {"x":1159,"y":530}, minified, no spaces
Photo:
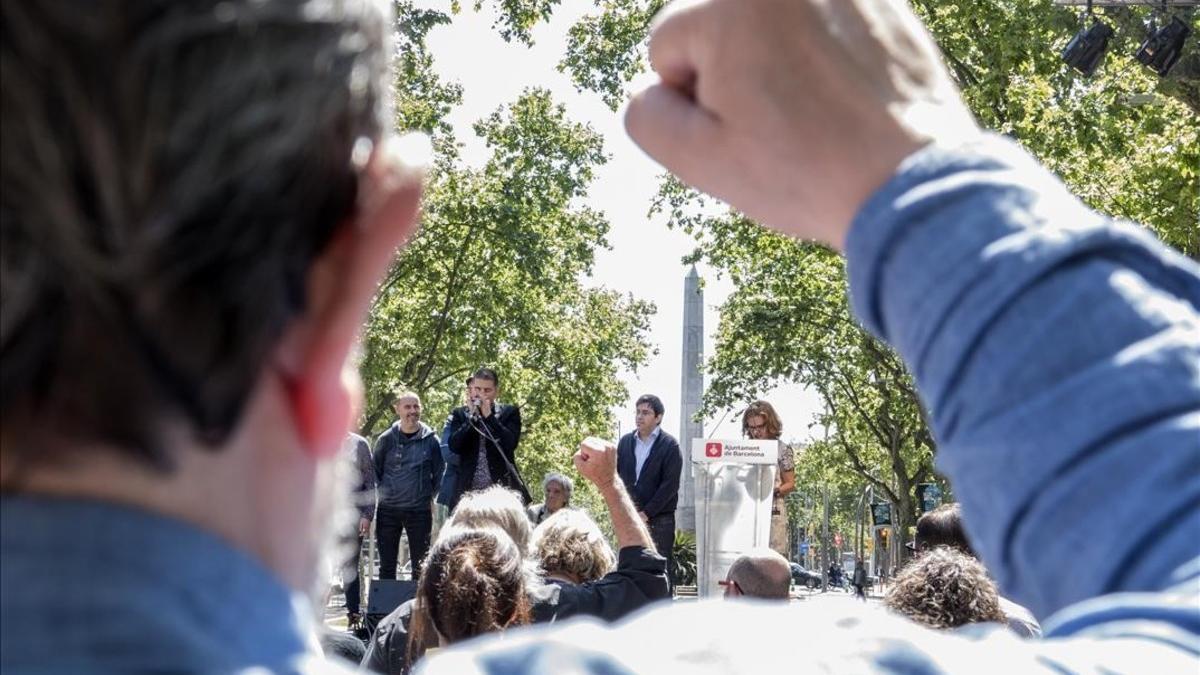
{"x":199,"y":200}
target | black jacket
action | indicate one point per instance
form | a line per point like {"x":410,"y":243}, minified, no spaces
{"x":503,"y":429}
{"x":409,"y":469}
{"x":656,"y":491}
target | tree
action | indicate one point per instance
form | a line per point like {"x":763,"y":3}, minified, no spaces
{"x":788,"y":319}
{"x":495,"y":274}
{"x":1126,"y":141}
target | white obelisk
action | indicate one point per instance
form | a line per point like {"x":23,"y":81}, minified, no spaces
{"x":692,"y":384}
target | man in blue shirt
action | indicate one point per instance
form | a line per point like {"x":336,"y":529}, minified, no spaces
{"x":1058,"y":352}
{"x":198,"y":202}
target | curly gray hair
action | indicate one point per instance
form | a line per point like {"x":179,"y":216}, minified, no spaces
{"x":570,"y":541}
{"x":945,"y":588}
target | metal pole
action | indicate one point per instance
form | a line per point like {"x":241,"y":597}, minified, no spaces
{"x":825,"y":543}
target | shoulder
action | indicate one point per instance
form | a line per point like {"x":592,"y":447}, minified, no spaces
{"x":387,"y":436}
{"x":667,"y":439}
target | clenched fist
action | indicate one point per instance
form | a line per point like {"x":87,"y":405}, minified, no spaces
{"x":596,"y":461}
{"x":794,"y":111}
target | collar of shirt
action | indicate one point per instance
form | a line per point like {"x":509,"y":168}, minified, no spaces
{"x":653,"y":436}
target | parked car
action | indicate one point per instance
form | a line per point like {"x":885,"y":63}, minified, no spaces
{"x":803,"y":577}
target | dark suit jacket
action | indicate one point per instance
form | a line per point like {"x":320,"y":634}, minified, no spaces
{"x":504,"y":425}
{"x":656,"y":491}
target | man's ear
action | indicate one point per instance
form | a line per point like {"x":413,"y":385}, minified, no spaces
{"x":315,"y":356}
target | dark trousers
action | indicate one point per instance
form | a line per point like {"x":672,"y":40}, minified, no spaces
{"x":388,"y":526}
{"x":350,"y":578}
{"x":662,"y":533}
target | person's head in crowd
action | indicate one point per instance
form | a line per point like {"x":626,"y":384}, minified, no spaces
{"x":758,"y":573}
{"x":187,"y":260}
{"x":407,"y":405}
{"x":342,"y":645}
{"x":494,"y":507}
{"x":761,"y":422}
{"x":570,"y":546}
{"x":484,"y":384}
{"x":473,"y":583}
{"x":943,"y":526}
{"x":557,"y":489}
{"x":945,"y":588}
{"x":648,"y":414}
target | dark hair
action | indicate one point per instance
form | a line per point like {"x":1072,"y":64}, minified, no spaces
{"x":472,"y":582}
{"x":169,"y":172}
{"x":770,"y":418}
{"x":945,"y":588}
{"x":653,"y":401}
{"x":485,"y":374}
{"x":470,"y":380}
{"x":943,"y":526}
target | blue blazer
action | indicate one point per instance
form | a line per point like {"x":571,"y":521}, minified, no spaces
{"x":656,"y":491}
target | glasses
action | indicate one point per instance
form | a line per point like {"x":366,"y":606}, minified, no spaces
{"x":730,"y":585}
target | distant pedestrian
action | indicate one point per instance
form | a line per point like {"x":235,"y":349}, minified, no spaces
{"x":860,"y":579}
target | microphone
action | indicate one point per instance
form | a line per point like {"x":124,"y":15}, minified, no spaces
{"x":475,"y":403}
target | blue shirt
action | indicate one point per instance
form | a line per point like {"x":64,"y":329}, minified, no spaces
{"x":1059,"y":356}
{"x":641,"y":449}
{"x":91,"y":587}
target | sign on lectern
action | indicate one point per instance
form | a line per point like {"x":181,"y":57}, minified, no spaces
{"x":735,"y":484}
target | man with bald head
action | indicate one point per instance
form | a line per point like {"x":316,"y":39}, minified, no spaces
{"x":758,"y":573}
{"x":408,"y":464}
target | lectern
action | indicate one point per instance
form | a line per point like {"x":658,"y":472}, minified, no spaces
{"x":735,"y":484}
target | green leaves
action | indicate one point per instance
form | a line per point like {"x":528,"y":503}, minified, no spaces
{"x":606,"y":50}
{"x":495,"y":277}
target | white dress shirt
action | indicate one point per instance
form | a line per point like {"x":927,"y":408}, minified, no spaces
{"x":641,"y":449}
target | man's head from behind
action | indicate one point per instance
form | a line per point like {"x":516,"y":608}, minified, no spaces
{"x":759,"y":573}
{"x":942,"y":526}
{"x":196,"y":206}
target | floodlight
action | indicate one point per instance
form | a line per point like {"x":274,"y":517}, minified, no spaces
{"x":1085,"y":51}
{"x":1163,"y":46}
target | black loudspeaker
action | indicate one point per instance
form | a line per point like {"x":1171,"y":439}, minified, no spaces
{"x":383,"y":596}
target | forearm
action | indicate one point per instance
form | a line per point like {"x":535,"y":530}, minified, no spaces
{"x":787,"y":484}
{"x":628,"y":527}
{"x":463,"y":439}
{"x":1058,"y":356}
